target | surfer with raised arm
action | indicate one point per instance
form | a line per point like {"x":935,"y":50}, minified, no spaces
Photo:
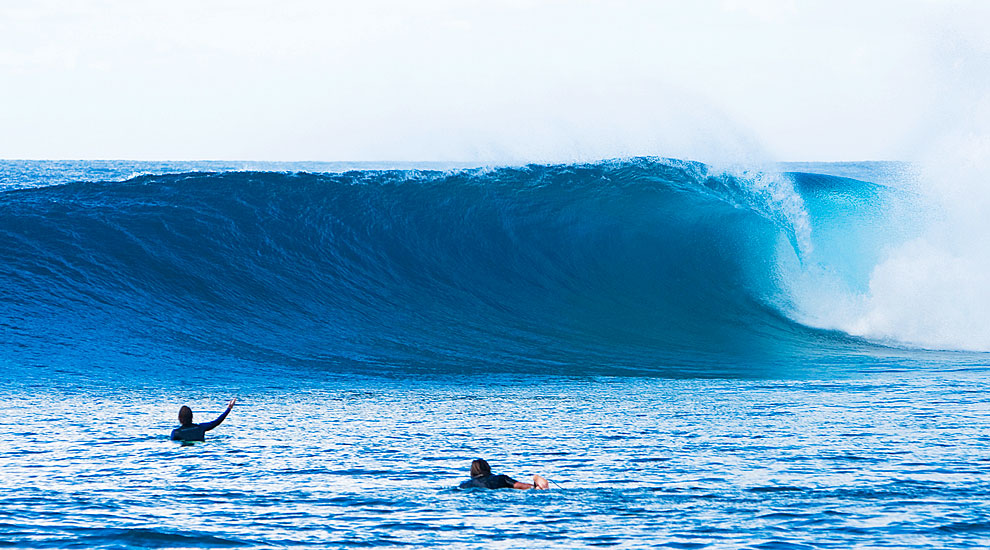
{"x":482,"y":478}
{"x":189,"y":431}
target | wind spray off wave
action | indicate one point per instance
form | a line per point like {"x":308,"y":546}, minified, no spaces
{"x":905,"y":264}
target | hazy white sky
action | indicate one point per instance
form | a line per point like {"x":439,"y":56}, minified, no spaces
{"x":485,"y":81}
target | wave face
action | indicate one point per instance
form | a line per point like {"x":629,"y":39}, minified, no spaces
{"x":645,"y":265}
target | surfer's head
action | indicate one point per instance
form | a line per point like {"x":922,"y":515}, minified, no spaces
{"x":480,"y":468}
{"x":185,"y":415}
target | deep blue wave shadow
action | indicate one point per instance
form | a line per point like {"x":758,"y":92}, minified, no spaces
{"x":638,"y":267}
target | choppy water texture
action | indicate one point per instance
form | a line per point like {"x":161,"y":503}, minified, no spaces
{"x":641,"y":332}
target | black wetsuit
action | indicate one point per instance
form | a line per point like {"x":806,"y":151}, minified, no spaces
{"x":197,"y":432}
{"x":489,"y":482}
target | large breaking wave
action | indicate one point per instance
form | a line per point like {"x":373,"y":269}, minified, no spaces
{"x":644,"y":265}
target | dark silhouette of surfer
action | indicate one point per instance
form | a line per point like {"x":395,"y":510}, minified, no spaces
{"x":189,"y":431}
{"x":482,"y":478}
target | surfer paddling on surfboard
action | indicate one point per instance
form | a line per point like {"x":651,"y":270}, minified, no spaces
{"x":482,"y":478}
{"x":197,"y":432}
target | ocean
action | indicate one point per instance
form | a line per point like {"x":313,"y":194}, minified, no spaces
{"x":696,"y":356}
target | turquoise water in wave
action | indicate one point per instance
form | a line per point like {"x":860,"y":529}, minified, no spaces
{"x":633,"y":330}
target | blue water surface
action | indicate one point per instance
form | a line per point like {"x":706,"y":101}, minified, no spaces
{"x":619,"y":327}
{"x":880,"y":460}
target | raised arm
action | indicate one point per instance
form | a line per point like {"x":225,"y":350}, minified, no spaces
{"x":207,"y":426}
